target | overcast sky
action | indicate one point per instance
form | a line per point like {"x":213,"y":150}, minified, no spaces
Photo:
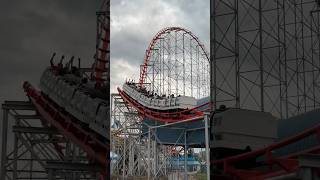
{"x":134,"y":23}
{"x":32,"y":30}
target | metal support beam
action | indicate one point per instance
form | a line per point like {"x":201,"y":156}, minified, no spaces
{"x":33,"y":147}
{"x":35,"y":130}
{"x":4,"y":143}
{"x":27,"y":117}
{"x":18,"y":105}
{"x":31,"y":150}
{"x":206,"y":122}
{"x":124,"y":168}
{"x":185,"y":156}
{"x":149,"y":154}
{"x":15,"y":152}
{"x":154,"y":151}
{"x":70,"y":166}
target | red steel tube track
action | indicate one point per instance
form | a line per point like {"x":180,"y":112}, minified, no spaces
{"x":288,"y":163}
{"x":69,"y":127}
{"x":103,"y":53}
{"x":168,"y":117}
{"x":153,"y":42}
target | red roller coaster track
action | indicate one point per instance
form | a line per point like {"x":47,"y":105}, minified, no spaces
{"x":102,"y":56}
{"x":96,"y":149}
{"x":179,"y":115}
{"x":276,"y":165}
{"x":167,"y":117}
{"x":287,"y":164}
{"x":153,"y":42}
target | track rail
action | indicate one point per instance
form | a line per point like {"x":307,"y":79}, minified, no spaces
{"x":288,"y":163}
{"x":102,"y":61}
{"x":167,"y":117}
{"x":96,"y":148}
{"x":153,"y":42}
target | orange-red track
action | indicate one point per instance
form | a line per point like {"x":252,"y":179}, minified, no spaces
{"x":287,"y":164}
{"x":166,"y":117}
{"x":67,"y":125}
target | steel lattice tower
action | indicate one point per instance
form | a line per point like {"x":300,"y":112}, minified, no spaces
{"x":265,"y":55}
{"x":175,"y":64}
{"x":37,"y":150}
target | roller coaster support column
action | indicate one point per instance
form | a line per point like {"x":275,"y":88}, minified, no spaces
{"x":124,"y":158}
{"x":155,"y":159}
{"x":149,"y":154}
{"x":206,"y":121}
{"x":4,"y":143}
{"x":185,"y":156}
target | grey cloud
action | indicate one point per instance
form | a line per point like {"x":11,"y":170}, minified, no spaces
{"x":134,"y":23}
{"x":32,"y":30}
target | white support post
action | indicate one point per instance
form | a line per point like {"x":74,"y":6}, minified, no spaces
{"x":15,"y":152}
{"x":4,"y":143}
{"x":154,"y":151}
{"x":206,"y":121}
{"x":124,"y":158}
{"x":149,"y":154}
{"x":185,"y":156}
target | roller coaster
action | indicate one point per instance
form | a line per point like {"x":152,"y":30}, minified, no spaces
{"x":65,"y":124}
{"x":181,"y":91}
{"x":167,"y":107}
{"x":174,"y":78}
